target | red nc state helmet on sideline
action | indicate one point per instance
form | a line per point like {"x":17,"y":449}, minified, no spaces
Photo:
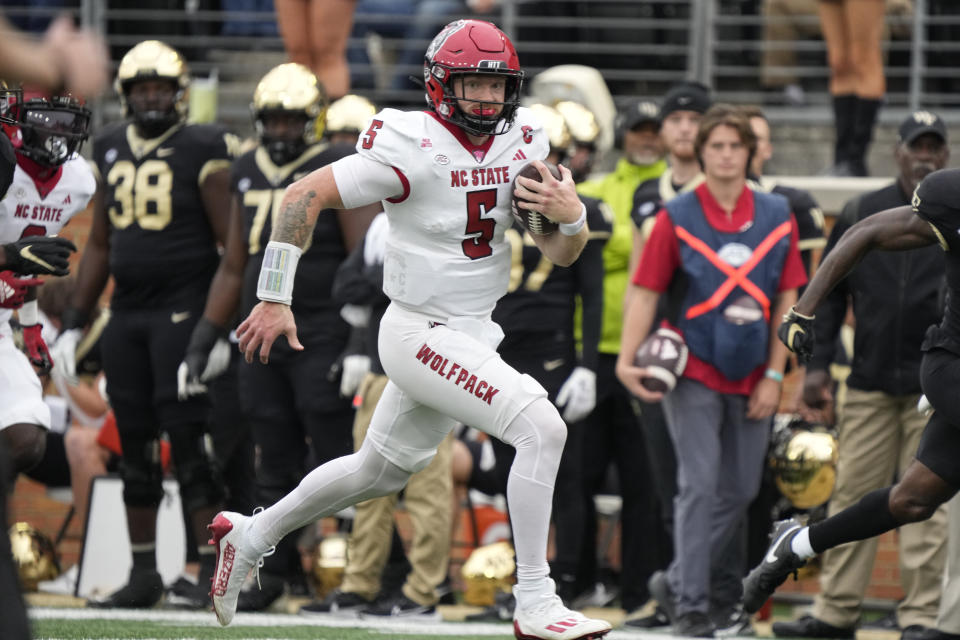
{"x":468,"y":47}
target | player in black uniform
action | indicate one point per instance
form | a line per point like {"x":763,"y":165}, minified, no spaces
{"x":934,"y":476}
{"x":293,"y":398}
{"x":537,"y":318}
{"x":160,"y":209}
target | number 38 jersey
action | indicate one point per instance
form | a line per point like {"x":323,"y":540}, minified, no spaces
{"x":259,"y":184}
{"x":162,"y":249}
{"x":447,"y":254}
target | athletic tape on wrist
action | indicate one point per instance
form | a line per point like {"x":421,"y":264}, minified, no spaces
{"x":28,"y":314}
{"x":573,"y":228}
{"x":277,"y":272}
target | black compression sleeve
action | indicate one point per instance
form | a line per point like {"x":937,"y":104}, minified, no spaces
{"x":867,"y":518}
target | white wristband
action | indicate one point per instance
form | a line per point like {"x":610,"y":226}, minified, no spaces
{"x":573,"y":228}
{"x":277,"y":272}
{"x":28,"y":314}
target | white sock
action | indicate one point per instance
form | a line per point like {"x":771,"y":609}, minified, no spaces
{"x":800,"y":544}
{"x":538,"y":441}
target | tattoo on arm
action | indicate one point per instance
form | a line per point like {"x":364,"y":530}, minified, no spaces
{"x":295,"y":222}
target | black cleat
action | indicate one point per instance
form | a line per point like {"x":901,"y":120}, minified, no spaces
{"x":143,"y":590}
{"x":337,"y":603}
{"x":810,"y":627}
{"x":183,"y":594}
{"x":694,"y":624}
{"x":779,"y":563}
{"x":401,"y":607}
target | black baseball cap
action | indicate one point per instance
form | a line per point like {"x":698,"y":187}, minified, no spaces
{"x":639,"y":112}
{"x":686,"y":96}
{"x":919,"y":123}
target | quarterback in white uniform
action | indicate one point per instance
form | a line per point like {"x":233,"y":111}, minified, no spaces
{"x":445,"y":178}
{"x":51,"y":184}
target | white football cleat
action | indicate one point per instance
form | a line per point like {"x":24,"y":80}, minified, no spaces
{"x":549,"y":619}
{"x":235,"y":559}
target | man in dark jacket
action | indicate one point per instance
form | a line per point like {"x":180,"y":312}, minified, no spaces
{"x":895,"y":297}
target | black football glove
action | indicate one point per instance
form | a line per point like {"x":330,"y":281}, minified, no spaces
{"x":208,"y":355}
{"x":796,"y":331}
{"x":39,"y":255}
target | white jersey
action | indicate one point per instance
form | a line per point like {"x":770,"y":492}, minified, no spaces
{"x":25,"y":212}
{"x":446,"y":253}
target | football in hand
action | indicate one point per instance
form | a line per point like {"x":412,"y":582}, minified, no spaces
{"x":664,"y":355}
{"x":532,"y":221}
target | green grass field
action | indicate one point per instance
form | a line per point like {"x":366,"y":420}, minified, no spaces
{"x":104,"y":629}
{"x":52,"y":623}
{"x":73,"y":623}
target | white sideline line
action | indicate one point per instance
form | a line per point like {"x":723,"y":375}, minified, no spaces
{"x":387,"y":626}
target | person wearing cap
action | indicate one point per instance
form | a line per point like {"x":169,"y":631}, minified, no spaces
{"x":613,"y":425}
{"x":679,"y":116}
{"x":895,"y":297}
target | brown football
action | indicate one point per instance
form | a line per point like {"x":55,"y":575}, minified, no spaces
{"x":664,"y":355}
{"x":531,"y":220}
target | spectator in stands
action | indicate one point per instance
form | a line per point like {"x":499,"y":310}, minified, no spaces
{"x":315,"y":34}
{"x":430,"y":16}
{"x":384,"y":18}
{"x":719,"y":414}
{"x":614,"y":426}
{"x":853,"y":31}
{"x":252,"y":26}
{"x":895,"y":297}
{"x":428,"y":494}
{"x":785,"y":22}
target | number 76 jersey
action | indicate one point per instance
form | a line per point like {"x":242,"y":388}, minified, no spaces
{"x":446,"y":253}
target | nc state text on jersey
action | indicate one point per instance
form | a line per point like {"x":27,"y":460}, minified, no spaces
{"x":38,"y":212}
{"x":479,"y":177}
{"x":480,"y":388}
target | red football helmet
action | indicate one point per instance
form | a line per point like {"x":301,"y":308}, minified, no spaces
{"x":468,"y":47}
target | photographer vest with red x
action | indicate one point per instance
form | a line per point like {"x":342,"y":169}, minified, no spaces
{"x":731,"y":278}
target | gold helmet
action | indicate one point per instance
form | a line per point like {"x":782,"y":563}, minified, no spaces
{"x":580,"y":120}
{"x":803,"y":458}
{"x":34,"y":555}
{"x":556,"y":127}
{"x":488,"y":569}
{"x":329,"y":563}
{"x":154,"y":60}
{"x":350,"y":114}
{"x":291,"y":89}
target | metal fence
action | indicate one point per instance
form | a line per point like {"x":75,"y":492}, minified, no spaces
{"x":640,"y":47}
